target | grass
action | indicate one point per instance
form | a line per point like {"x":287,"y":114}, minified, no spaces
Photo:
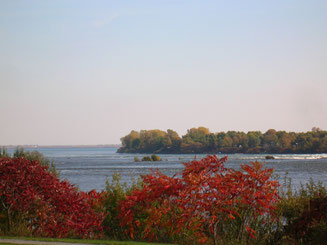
{"x":13,"y":244}
{"x":105,"y":242}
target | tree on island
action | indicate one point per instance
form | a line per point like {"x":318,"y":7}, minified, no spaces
{"x":201,"y":140}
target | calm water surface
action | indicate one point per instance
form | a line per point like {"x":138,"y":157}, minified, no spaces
{"x":88,"y":168}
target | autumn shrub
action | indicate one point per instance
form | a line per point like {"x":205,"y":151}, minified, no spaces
{"x":311,"y":226}
{"x":36,"y":156}
{"x":31,"y":195}
{"x":303,"y":213}
{"x":206,"y":203}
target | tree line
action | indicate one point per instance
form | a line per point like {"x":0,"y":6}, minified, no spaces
{"x":201,"y":140}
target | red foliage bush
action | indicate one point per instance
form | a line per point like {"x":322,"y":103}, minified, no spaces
{"x":200,"y":200}
{"x":49,"y":207}
{"x":311,"y":226}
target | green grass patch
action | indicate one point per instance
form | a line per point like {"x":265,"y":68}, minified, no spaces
{"x":13,"y":244}
{"x":105,"y":242}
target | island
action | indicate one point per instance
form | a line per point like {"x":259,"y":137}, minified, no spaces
{"x":200,"y":141}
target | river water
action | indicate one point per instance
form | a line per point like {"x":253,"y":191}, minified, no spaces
{"x":89,"y":167}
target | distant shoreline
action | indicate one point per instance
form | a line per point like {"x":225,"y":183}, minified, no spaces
{"x":201,"y":141}
{"x":61,"y":146}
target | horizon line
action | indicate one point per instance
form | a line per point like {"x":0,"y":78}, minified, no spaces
{"x":55,"y":145}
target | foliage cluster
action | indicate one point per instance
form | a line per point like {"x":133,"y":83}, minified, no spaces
{"x":201,"y":140}
{"x":36,"y":156}
{"x":115,"y":193}
{"x":206,"y":203}
{"x":4,"y":152}
{"x":32,"y":156}
{"x":152,"y":158}
{"x":34,"y":200}
{"x":303,"y":213}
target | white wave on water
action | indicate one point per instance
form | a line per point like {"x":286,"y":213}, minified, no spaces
{"x":302,"y":156}
{"x":261,"y":157}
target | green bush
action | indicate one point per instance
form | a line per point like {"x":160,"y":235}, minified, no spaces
{"x":4,"y":152}
{"x":311,"y":226}
{"x":36,"y":156}
{"x":146,"y":159}
{"x":296,"y":206}
{"x":136,"y":159}
{"x":20,"y":227}
{"x":115,"y":193}
{"x":155,"y":158}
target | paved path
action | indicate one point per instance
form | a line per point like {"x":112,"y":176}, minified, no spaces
{"x":17,"y":241}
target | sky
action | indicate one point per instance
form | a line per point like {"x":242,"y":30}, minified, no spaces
{"x":89,"y":72}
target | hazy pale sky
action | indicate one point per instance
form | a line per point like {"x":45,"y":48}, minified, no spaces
{"x":89,"y":72}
